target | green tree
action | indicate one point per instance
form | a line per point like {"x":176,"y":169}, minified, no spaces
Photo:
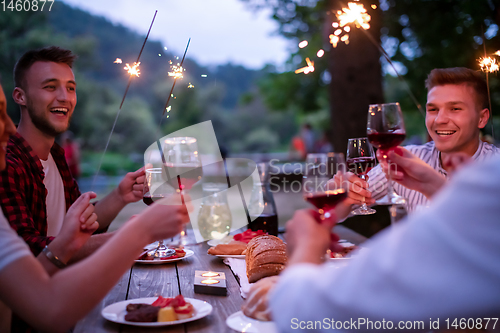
{"x":422,"y":35}
{"x":349,"y":76}
{"x":418,"y":35}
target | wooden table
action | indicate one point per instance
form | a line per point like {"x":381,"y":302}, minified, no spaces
{"x":171,"y":279}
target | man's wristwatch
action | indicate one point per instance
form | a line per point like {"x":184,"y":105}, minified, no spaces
{"x":52,"y":258}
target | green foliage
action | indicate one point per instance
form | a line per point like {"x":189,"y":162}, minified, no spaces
{"x":452,"y":38}
{"x":113,"y":164}
{"x":418,"y":34}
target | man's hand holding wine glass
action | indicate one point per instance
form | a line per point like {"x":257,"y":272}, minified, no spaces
{"x":130,"y":188}
{"x":415,"y":174}
{"x":308,"y":237}
{"x":357,"y":192}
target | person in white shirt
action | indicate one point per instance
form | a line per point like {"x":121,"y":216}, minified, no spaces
{"x":457,"y":108}
{"x":55,"y":303}
{"x":439,"y":264}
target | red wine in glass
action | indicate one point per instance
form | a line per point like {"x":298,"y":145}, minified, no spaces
{"x":360,"y":165}
{"x":148,"y":199}
{"x":386,"y":140}
{"x":190,"y":174}
{"x":326,"y":200}
{"x":385,"y":129}
{"x":265,"y":222}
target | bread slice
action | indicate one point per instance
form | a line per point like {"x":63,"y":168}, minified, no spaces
{"x":232,"y":248}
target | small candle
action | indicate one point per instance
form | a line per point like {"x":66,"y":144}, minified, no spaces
{"x":210,"y":281}
{"x":210,"y":274}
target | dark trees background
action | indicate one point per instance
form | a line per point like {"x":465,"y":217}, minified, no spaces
{"x":418,"y":35}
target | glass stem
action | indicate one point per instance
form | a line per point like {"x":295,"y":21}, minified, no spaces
{"x":364,"y":207}
{"x":390,"y":189}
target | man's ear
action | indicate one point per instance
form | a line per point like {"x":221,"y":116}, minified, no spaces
{"x":484,"y":116}
{"x":19,"y":96}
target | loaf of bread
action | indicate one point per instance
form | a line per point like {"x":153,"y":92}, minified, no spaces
{"x":266,"y":256}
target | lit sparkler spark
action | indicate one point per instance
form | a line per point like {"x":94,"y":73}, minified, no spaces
{"x":488,"y":64}
{"x":308,"y":69}
{"x":117,"y":61}
{"x":204,"y":75}
{"x":497,"y":53}
{"x":334,"y":40}
{"x":356,"y":13}
{"x":320,"y":53}
{"x":176,"y":72}
{"x":190,"y":85}
{"x":303,"y":44}
{"x":134,"y":70}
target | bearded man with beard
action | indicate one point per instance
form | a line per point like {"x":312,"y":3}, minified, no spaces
{"x":37,"y":187}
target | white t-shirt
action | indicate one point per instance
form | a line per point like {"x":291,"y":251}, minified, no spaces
{"x":12,"y":248}
{"x":442,"y":262}
{"x":55,"y":201}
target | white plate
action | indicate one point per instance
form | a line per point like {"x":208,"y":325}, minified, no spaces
{"x":189,"y":253}
{"x":241,"y":323}
{"x":236,"y":256}
{"x":116,"y":312}
{"x":225,"y":240}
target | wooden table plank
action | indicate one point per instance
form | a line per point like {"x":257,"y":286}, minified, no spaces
{"x":223,"y":306}
{"x":94,"y":322}
{"x":152,"y":281}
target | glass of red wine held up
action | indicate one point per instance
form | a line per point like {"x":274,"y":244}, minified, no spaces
{"x":385,"y":130}
{"x":182,"y":167}
{"x":319,"y":169}
{"x":154,"y":189}
{"x":360,"y":160}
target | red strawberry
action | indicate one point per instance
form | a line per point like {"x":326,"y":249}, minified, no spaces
{"x":162,"y":301}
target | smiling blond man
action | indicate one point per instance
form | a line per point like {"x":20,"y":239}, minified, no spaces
{"x":456,"y":110}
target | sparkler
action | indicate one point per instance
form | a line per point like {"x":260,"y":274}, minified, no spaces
{"x":117,"y":61}
{"x":357,"y":14}
{"x":176,"y":71}
{"x":175,"y":80}
{"x":488,"y":64}
{"x":134,"y":70}
{"x":167,"y":108}
{"x":354,"y":14}
{"x":123,"y":99}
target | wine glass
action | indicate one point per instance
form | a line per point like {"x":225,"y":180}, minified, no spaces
{"x":360,"y":160}
{"x":320,"y":168}
{"x":155,"y":189}
{"x":182,"y":167}
{"x":385,"y":130}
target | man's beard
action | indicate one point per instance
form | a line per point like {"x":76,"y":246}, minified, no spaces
{"x":43,"y":124}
